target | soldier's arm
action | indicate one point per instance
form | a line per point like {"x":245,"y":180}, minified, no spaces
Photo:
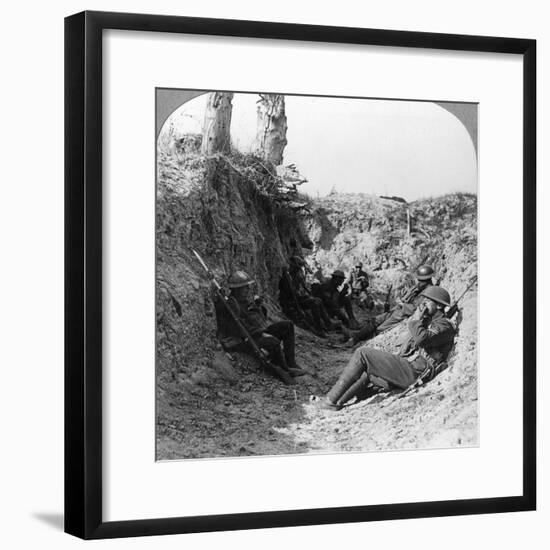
{"x":429,"y":334}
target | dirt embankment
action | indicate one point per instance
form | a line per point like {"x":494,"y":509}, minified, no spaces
{"x":214,"y":404}
{"x":441,"y":231}
{"x":216,"y":207}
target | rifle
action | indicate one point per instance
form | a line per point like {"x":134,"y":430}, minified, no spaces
{"x":387,"y":301}
{"x":454,"y":308}
{"x":425,"y":375}
{"x":259,"y":353}
{"x":430,"y":372}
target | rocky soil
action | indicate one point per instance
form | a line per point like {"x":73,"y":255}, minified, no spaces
{"x":213,"y":404}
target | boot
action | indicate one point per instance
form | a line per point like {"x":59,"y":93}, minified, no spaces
{"x":364,"y":333}
{"x":297,"y":371}
{"x":325,"y":405}
{"x":355,"y":390}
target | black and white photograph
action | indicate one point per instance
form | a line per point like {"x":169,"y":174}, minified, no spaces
{"x":316,"y":274}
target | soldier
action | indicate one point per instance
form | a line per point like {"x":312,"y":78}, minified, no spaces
{"x":404,"y":308}
{"x":253,"y":315}
{"x":359,"y":284}
{"x":358,"y":279}
{"x":430,"y":339}
{"x":334,"y":294}
{"x":317,"y":274}
{"x":298,"y":303}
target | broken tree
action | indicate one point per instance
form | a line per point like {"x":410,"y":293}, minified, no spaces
{"x":217,"y":123}
{"x":271,"y":128}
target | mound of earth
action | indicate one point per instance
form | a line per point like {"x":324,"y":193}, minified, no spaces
{"x":224,"y":209}
{"x":346,"y":229}
{"x":210,"y":403}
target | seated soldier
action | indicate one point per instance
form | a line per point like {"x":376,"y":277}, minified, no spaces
{"x":334,"y":294}
{"x":253,"y":315}
{"x":403,"y":309}
{"x":429,"y":340}
{"x":359,"y":284}
{"x":298,"y":303}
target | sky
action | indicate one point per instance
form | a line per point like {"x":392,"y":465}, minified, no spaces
{"x":404,"y":148}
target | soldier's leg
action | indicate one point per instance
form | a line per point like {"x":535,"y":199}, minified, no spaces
{"x":387,"y":366}
{"x":284,"y":331}
{"x":317,"y":311}
{"x":309,"y":323}
{"x":357,"y":387}
{"x":364,"y":333}
{"x":342,"y":316}
{"x":348,"y":308}
{"x":272,"y":345}
{"x":365,"y":300}
{"x":328,"y":324}
{"x":397,"y":315}
{"x":391,"y":368}
{"x":363,"y":388}
{"x":313,"y":305}
{"x":392,"y":319}
{"x":351,"y":374}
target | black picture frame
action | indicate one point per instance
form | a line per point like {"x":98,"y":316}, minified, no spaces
{"x":83,"y":274}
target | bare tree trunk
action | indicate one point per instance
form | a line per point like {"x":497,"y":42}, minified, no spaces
{"x":271,"y":128}
{"x":217,"y":123}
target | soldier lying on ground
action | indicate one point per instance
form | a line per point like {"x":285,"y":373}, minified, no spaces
{"x":334,"y":294}
{"x":429,"y":341}
{"x":403,"y":309}
{"x":253,"y":315}
{"x":358,"y":281}
{"x":298,"y":303}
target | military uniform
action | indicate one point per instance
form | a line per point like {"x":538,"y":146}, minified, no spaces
{"x":428,"y":344}
{"x":336,"y":302}
{"x":267,"y":335}
{"x":358,"y":281}
{"x":359,"y":284}
{"x":386,"y":321}
{"x":402,"y":311}
{"x":295,"y":296}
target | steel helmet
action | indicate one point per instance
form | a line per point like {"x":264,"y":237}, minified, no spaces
{"x":424,"y":273}
{"x":437,"y":294}
{"x":358,"y":264}
{"x":338,"y":274}
{"x":239,"y":279}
